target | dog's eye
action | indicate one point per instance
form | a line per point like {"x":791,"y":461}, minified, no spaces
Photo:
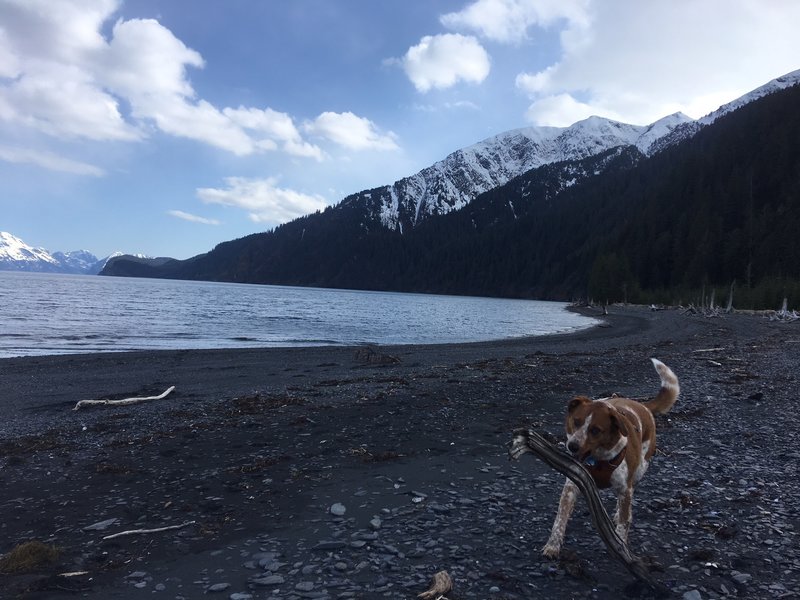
{"x":594,"y":431}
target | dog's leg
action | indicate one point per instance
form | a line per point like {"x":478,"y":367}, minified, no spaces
{"x":568,"y":496}
{"x":624,"y":514}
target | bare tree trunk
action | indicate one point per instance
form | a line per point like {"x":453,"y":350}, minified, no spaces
{"x":729,"y":307}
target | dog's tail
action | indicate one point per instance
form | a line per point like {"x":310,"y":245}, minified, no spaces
{"x":668,"y":394}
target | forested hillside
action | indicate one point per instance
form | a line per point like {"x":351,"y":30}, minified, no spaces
{"x":720,"y":207}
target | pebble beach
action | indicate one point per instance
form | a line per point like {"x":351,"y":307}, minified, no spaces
{"x":336,"y":472}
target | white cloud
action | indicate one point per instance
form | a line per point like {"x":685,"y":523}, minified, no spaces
{"x":61,"y":76}
{"x":49,"y":49}
{"x":49,"y":161}
{"x":262,"y":199}
{"x":644,"y":60}
{"x":351,"y":131}
{"x":271,"y":127}
{"x":562,"y":110}
{"x":441,"y":61}
{"x":509,"y":20}
{"x":179,"y":214}
{"x":458,"y":105}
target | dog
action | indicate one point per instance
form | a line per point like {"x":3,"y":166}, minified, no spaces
{"x":614,"y":438}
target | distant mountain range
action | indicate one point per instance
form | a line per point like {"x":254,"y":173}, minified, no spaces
{"x":16,"y":255}
{"x":599,"y":208}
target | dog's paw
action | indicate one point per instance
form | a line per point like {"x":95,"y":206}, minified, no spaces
{"x":551,"y":551}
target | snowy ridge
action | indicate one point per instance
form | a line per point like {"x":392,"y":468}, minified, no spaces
{"x":454,"y":182}
{"x":16,"y":255}
{"x":775,"y":85}
{"x":14,"y":250}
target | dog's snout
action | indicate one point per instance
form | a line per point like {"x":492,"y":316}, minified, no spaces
{"x":573,"y":446}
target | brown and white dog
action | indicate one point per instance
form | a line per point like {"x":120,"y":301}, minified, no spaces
{"x":614,"y":438}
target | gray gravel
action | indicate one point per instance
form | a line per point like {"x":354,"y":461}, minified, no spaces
{"x":339,"y":479}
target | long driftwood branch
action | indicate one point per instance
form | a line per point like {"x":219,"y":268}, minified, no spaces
{"x":140,"y":531}
{"x":122,"y":401}
{"x":526,"y":440}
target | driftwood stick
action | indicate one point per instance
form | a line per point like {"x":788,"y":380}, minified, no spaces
{"x":526,"y":440}
{"x":156,"y":530}
{"x":440,"y":585}
{"x":122,"y":401}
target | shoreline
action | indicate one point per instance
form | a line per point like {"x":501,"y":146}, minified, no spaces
{"x":585,"y":312}
{"x":256,"y":445}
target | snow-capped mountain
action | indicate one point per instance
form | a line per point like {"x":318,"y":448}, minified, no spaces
{"x":452,"y":183}
{"x":16,"y":255}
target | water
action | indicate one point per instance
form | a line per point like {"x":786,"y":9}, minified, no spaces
{"x":58,"y":314}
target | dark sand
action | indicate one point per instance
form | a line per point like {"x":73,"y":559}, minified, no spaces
{"x":256,"y":446}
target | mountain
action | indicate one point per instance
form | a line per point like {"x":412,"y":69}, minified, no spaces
{"x":16,"y":255}
{"x":455,"y":181}
{"x":133,"y":263}
{"x":544,"y":212}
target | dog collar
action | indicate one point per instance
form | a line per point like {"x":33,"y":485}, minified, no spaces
{"x":601,"y":470}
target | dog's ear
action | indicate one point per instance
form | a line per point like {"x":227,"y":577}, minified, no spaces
{"x":576,"y":402}
{"x":619,"y":422}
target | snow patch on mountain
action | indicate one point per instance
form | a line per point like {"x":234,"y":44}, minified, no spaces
{"x":454,"y":182}
{"x":16,"y":255}
{"x":13,"y":251}
{"x":770,"y":87}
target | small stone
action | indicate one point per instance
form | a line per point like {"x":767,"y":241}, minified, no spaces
{"x":160,"y":587}
{"x":741,"y":578}
{"x":494,"y":590}
{"x":329,"y":545}
{"x":101,"y":525}
{"x":136,"y":575}
{"x":218,"y":587}
{"x":241,"y":596}
{"x":692,"y":595}
{"x":305,"y":586}
{"x":268,"y":580}
{"x":375,"y":523}
{"x":338,"y":509}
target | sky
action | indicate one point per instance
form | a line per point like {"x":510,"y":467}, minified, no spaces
{"x":166,"y":127}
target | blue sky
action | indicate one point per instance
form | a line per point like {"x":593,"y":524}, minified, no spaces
{"x":166,"y":127}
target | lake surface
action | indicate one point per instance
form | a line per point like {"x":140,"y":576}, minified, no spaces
{"x":59,"y":314}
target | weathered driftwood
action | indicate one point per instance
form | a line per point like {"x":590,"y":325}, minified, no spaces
{"x":526,"y":440}
{"x":141,"y":531}
{"x":122,"y":401}
{"x":784,"y":314}
{"x":440,"y":585}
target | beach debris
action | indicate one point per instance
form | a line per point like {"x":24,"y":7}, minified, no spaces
{"x":29,"y":556}
{"x":143,"y":531}
{"x":440,"y":585}
{"x":101,"y":525}
{"x":527,"y":440}
{"x":122,"y":401}
{"x":371,"y":356}
{"x":784,"y":314}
